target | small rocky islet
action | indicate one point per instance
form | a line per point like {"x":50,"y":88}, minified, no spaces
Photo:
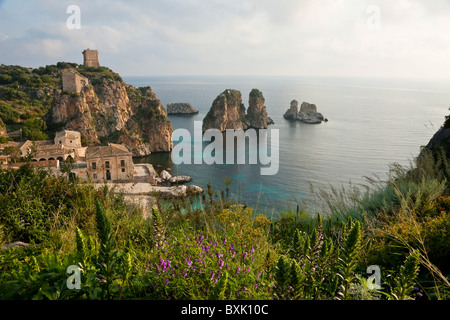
{"x":307,"y":114}
{"x":181,"y":108}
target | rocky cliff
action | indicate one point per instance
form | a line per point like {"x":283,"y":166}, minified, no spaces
{"x":109,"y":110}
{"x":228,"y":112}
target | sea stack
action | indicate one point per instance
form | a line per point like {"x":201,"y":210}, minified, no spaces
{"x":227,"y":112}
{"x":256,"y":113}
{"x":307,"y":114}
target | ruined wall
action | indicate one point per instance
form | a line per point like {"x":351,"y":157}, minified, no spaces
{"x":72,"y":81}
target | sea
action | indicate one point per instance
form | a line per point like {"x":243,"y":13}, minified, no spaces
{"x":373,"y":123}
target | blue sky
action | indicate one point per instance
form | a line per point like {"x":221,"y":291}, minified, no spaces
{"x":381,"y":38}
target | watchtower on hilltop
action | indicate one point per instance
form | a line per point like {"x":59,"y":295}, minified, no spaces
{"x":90,"y":58}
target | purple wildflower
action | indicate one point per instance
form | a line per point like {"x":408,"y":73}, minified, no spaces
{"x":167,"y":282}
{"x":212,"y":276}
{"x":221,"y":264}
{"x":238,"y":269}
{"x":245,"y":255}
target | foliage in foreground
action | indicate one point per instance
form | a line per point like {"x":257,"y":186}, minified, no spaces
{"x":220,"y":250}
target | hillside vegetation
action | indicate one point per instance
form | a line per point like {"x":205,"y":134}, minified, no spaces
{"x":398,"y":229}
{"x":26,"y":95}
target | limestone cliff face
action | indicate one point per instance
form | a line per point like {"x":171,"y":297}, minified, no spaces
{"x":107,"y":110}
{"x":150,"y":116}
{"x":227,"y":112}
{"x":115,"y":109}
{"x":2,"y":128}
{"x":74,"y":112}
{"x":256,"y":112}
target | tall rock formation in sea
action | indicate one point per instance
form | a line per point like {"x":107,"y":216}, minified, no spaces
{"x":257,"y":113}
{"x":228,"y":112}
{"x":104,"y":108}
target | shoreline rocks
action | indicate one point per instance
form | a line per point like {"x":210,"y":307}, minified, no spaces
{"x":180,"y":109}
{"x":166,"y":177}
{"x":307,"y":114}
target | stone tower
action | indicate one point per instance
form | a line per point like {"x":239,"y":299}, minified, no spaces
{"x":90,"y":58}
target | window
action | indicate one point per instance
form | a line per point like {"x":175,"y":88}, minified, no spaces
{"x":107,"y":164}
{"x":123,"y":169}
{"x":70,"y":141}
{"x":122,"y":163}
{"x":60,"y":142}
{"x":94,"y":165}
{"x":95,"y":176}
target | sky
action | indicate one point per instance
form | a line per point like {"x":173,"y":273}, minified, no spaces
{"x":356,"y":38}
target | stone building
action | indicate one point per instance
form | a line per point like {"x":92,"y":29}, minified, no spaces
{"x":67,"y":138}
{"x":72,"y":81}
{"x":90,"y":58}
{"x":109,"y":163}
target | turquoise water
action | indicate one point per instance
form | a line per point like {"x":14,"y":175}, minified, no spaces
{"x":373,"y":122}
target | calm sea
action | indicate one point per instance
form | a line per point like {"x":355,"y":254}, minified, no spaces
{"x":372,"y":123}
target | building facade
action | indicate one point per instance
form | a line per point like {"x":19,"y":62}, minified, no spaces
{"x":109,"y":163}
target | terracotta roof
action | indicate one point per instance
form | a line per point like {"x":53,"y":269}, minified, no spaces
{"x":50,"y":150}
{"x":49,"y":163}
{"x":10,"y":144}
{"x":110,"y":150}
{"x":43,"y":143}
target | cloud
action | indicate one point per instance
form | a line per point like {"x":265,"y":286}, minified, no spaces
{"x":283,"y":37}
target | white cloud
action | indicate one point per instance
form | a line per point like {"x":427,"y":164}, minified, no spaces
{"x":295,"y":37}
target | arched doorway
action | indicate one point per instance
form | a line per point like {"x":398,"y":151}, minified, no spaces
{"x":69,"y":159}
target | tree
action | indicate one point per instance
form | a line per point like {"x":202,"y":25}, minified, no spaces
{"x":34,"y":130}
